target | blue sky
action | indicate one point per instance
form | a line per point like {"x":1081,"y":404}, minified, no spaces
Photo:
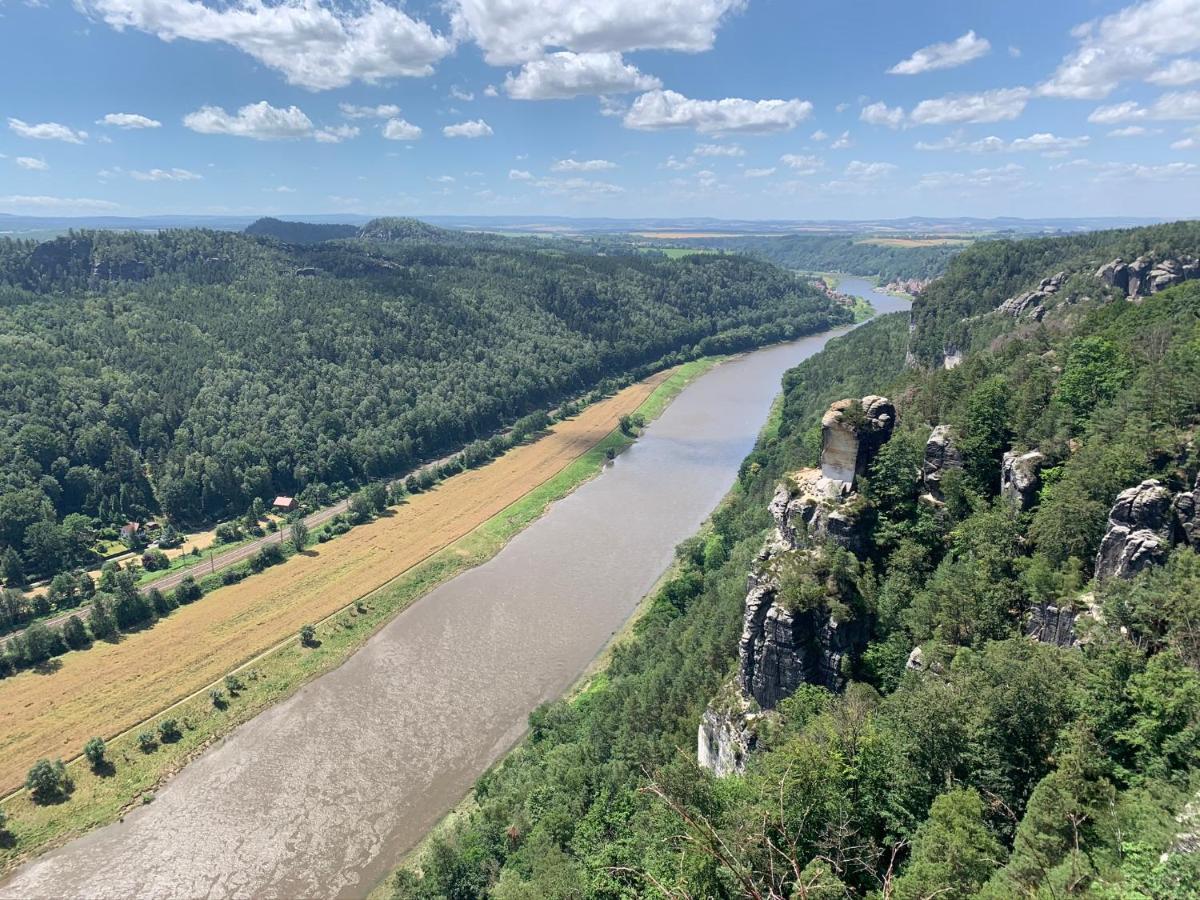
{"x":730,"y":108}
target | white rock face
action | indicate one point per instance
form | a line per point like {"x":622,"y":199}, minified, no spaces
{"x":725,"y":740}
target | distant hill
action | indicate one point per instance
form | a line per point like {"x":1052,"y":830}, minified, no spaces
{"x":300,"y":232}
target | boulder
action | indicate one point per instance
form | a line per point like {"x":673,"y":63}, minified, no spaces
{"x":941,"y":455}
{"x":1021,"y":477}
{"x":1139,"y":533}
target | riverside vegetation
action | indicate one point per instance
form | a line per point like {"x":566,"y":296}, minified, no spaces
{"x":1001,"y":760}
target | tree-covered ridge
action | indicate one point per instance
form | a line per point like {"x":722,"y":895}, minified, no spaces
{"x":995,"y":766}
{"x":190,"y":372}
{"x":300,"y":232}
{"x":838,"y":253}
{"x":987,"y":273}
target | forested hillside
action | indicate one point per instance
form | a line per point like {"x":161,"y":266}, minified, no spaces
{"x":837,"y":253}
{"x":1009,"y":727}
{"x":190,"y":372}
{"x":300,"y":232}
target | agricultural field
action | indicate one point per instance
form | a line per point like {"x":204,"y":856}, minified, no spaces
{"x":115,"y":686}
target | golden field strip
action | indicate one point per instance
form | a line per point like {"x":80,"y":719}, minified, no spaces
{"x":113,"y":687}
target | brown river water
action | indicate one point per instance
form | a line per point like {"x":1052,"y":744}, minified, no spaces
{"x":321,"y":795}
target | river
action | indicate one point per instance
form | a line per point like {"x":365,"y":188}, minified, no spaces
{"x":322,"y":794}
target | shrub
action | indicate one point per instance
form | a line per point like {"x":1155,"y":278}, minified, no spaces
{"x":147,"y":741}
{"x":218,"y":699}
{"x":188,"y":591}
{"x":48,"y":782}
{"x":308,"y":635}
{"x":234,"y":685}
{"x":168,"y":731}
{"x":94,"y":750}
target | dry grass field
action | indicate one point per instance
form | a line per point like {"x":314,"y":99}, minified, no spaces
{"x":916,"y":242}
{"x":113,"y":687}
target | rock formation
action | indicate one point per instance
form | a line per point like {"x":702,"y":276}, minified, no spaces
{"x":941,"y":455}
{"x":1058,"y":624}
{"x":1186,"y":510}
{"x":1021,"y":477}
{"x":1145,"y":276}
{"x":1139,"y":531}
{"x":782,"y":648}
{"x":1032,"y":303}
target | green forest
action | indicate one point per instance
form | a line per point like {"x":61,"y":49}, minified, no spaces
{"x":836,"y":253}
{"x":1002,"y":766}
{"x":187,"y":374}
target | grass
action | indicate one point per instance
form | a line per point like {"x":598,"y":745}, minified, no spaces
{"x":677,"y":252}
{"x":275,"y":674}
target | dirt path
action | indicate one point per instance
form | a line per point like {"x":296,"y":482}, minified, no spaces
{"x":111,"y":687}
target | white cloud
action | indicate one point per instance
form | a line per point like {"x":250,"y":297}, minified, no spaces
{"x":1129,"y":43}
{"x":281,"y":189}
{"x":1014,"y":52}
{"x":843,"y":142}
{"x":382,"y":111}
{"x":943,"y":56}
{"x":869,"y":171}
{"x":491,"y":91}
{"x":519,"y":175}
{"x":1162,"y":172}
{"x":444,"y":179}
{"x":1179,"y":73}
{"x":759,"y":173}
{"x":819,"y":136}
{"x":881,"y":114}
{"x":461,"y":94}
{"x":129,"y":120}
{"x":1042,"y":142}
{"x":582,"y":165}
{"x":315,"y":45}
{"x":989,"y":106}
{"x":47,"y":131}
{"x":512,"y":33}
{"x":20,"y":203}
{"x":578,"y":188}
{"x":1176,"y":106}
{"x":1186,"y":144}
{"x":32,"y":163}
{"x":1128,"y":131}
{"x":658,"y":110}
{"x":679,"y":165}
{"x":335,"y":134}
{"x":802,"y":165}
{"x":719,"y":150}
{"x":1008,"y":176}
{"x":165,"y":175}
{"x":401,"y":130}
{"x":561,"y":76}
{"x":260,"y":121}
{"x":476,"y":128}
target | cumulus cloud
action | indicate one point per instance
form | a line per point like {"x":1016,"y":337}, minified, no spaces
{"x":335,"y":134}
{"x":1130,"y":43}
{"x":659,"y":110}
{"x":47,"y":131}
{"x":165,"y":175}
{"x":943,"y":56}
{"x":882,"y":114}
{"x":401,"y":130}
{"x":1176,"y":106}
{"x":989,"y":106}
{"x":758,"y":173}
{"x":1185,"y":144}
{"x":382,"y":111}
{"x":1179,"y":73}
{"x":476,"y":128}
{"x":461,"y":94}
{"x":32,"y":163}
{"x":582,"y":165}
{"x":260,"y":121}
{"x":868,"y":171}
{"x":819,"y":136}
{"x":1008,"y":176}
{"x":801,"y":164}
{"x":1161,"y":172}
{"x":578,"y":188}
{"x":843,"y":142}
{"x":519,"y":175}
{"x":315,"y":45}
{"x":512,"y":33}
{"x":560,"y":76}
{"x":129,"y":121}
{"x":1128,"y":131}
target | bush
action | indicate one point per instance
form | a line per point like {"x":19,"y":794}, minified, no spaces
{"x":227,"y":533}
{"x":218,"y":699}
{"x":94,"y":750}
{"x":154,"y":560}
{"x":308,"y":636}
{"x":48,"y":782}
{"x":234,"y":685}
{"x":168,"y":731}
{"x":75,"y":634}
{"x":147,"y":741}
{"x":232,"y":576}
{"x":188,"y":591}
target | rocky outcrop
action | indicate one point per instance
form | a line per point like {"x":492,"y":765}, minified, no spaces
{"x":106,"y":270}
{"x":781,"y":647}
{"x":1032,"y":304}
{"x":1060,"y":624}
{"x":1021,"y":477}
{"x":852,"y":431}
{"x":1139,"y":531}
{"x":1145,"y":275}
{"x":952,"y":357}
{"x":941,"y":456}
{"x":727,"y":735}
{"x":1186,"y":512}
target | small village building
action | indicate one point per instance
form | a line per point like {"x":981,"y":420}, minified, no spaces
{"x":284,"y":504}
